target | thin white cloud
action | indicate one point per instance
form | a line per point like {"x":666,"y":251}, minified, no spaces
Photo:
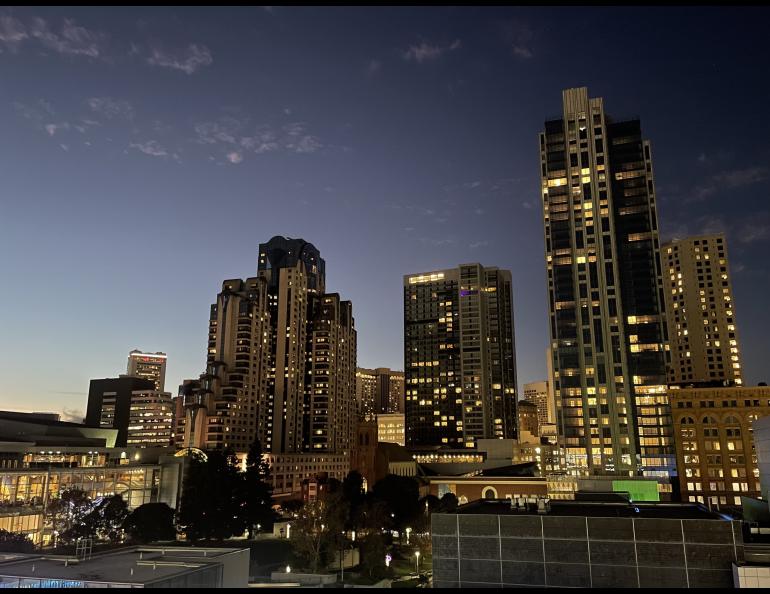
{"x":188,"y":60}
{"x":12,"y":32}
{"x":151,"y":147}
{"x":71,"y":38}
{"x":426,"y":52}
{"x":109,"y":107}
{"x":519,"y":36}
{"x":234,"y":157}
{"x":478,"y":244}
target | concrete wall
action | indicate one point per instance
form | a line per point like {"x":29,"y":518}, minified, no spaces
{"x":560,"y":551}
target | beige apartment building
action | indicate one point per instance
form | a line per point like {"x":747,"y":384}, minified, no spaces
{"x":701,"y":311}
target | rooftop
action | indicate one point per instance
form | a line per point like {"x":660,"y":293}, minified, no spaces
{"x":132,"y":565}
{"x":597,"y":509}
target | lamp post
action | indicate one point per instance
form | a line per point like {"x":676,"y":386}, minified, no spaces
{"x":342,"y":558}
{"x":388,"y":559}
{"x":417,"y":557}
{"x":408,"y":531}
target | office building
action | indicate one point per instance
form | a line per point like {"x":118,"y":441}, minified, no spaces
{"x":715,"y":449}
{"x":459,"y":356}
{"x":148,"y":365}
{"x":528,"y":418}
{"x":539,"y":394}
{"x":701,"y":312}
{"x":584,"y":543}
{"x":281,"y":363}
{"x":390,"y":428}
{"x":378,"y":391}
{"x":605,"y":291}
{"x":150,"y":419}
{"x":109,"y":403}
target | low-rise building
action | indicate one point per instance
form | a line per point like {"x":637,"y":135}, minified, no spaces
{"x":492,"y":543}
{"x":131,"y":567}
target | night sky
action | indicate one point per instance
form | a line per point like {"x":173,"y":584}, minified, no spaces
{"x":145,"y":154}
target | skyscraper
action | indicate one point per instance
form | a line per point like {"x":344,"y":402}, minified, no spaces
{"x":605,"y":291}
{"x":459,"y":356}
{"x":701,"y":312}
{"x":281,"y":361}
{"x":379,"y":391}
{"x":148,"y":365}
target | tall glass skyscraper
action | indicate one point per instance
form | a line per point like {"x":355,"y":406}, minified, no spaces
{"x":459,"y":357}
{"x":605,"y":292}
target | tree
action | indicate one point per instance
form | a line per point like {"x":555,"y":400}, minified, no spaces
{"x":15,"y":542}
{"x":211,"y":495}
{"x":354,"y":496}
{"x":448,"y":503}
{"x":67,"y":514}
{"x":373,"y":550}
{"x":400,"y":494}
{"x":150,"y":522}
{"x":257,"y":496}
{"x":316,"y":532}
{"x":106,"y":519}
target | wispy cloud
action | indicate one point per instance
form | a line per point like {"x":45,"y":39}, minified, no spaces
{"x":234,"y":157}
{"x":726,"y":180}
{"x":233,"y":134}
{"x":373,"y":67}
{"x":153,"y":148}
{"x":477,"y":244}
{"x":68,"y":38}
{"x":188,"y":59}
{"x":437,"y":242}
{"x":109,"y":107}
{"x":12,"y":32}
{"x":426,"y":52}
{"x":518,"y":36}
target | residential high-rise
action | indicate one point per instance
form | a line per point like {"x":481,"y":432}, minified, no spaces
{"x":605,"y":291}
{"x":148,"y":365}
{"x":281,"y":362}
{"x":142,"y":415}
{"x":459,"y":356}
{"x":700,"y":311}
{"x":379,"y":391}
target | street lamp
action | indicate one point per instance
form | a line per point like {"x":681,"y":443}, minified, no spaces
{"x":388,"y":559}
{"x":288,"y":569}
{"x":417,"y":556}
{"x":408,"y":531}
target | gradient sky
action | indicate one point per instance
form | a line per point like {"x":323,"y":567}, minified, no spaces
{"x":145,"y":153}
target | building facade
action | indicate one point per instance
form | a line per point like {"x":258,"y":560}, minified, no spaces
{"x":715,"y":448}
{"x":281,"y":363}
{"x":150,"y":419}
{"x":491,"y":543}
{"x":150,"y":366}
{"x":459,"y":356}
{"x":390,"y":428}
{"x":701,"y":312}
{"x":605,"y":291}
{"x":540,"y":394}
{"x":378,"y":391}
{"x":528,"y":417}
{"x":110,"y":401}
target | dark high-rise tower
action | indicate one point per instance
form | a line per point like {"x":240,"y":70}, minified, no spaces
{"x":459,"y":356}
{"x":605,"y":291}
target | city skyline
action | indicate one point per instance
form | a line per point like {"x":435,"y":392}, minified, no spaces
{"x":412,"y":150}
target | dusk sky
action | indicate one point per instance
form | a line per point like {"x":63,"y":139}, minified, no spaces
{"x":146,"y":153}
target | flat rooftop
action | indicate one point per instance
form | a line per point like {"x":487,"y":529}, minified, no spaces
{"x":597,"y":509}
{"x":149,"y":564}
